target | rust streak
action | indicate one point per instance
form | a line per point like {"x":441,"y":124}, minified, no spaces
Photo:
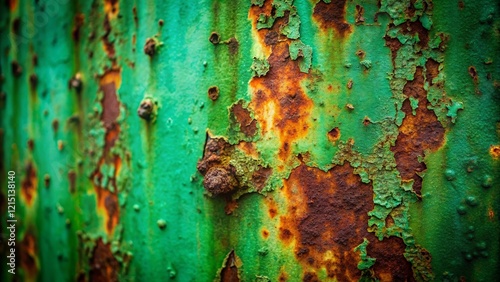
{"x":28,"y":255}
{"x":247,"y":124}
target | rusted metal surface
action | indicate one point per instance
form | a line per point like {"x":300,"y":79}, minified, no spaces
{"x":258,"y":140}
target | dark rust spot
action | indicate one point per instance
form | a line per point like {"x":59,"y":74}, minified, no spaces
{"x":461,"y":5}
{"x":233,"y":46}
{"x":31,"y":144}
{"x":358,"y":17}
{"x":265,"y":233}
{"x":361,"y":54}
{"x":55,"y":125}
{"x":16,"y":68}
{"x":77,"y":25}
{"x":213,"y":93}
{"x":416,"y":28}
{"x":349,"y":84}
{"x":34,"y":60}
{"x":46,"y":180}
{"x":29,"y":183}
{"x":150,"y":47}
{"x":310,"y":277}
{"x":334,"y":134}
{"x":473,"y":73}
{"x":247,"y":124}
{"x":28,"y":255}
{"x":366,"y":121}
{"x":229,"y":272}
{"x":16,"y":26}
{"x":160,"y":22}
{"x":332,"y":15}
{"x":145,"y":110}
{"x":214,"y":38}
{"x":417,"y":133}
{"x":33,"y":81}
{"x":103,"y":265}
{"x":72,"y":181}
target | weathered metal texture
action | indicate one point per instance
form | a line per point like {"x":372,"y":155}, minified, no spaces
{"x":252,"y":140}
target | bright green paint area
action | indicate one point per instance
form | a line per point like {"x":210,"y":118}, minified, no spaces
{"x":167,"y":221}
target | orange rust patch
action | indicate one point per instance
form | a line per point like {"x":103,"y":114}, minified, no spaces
{"x":332,"y":15}
{"x":279,"y":103}
{"x":334,"y":134}
{"x":229,"y":272}
{"x":495,"y":151}
{"x":247,"y":124}
{"x":283,"y":276}
{"x":29,"y":184}
{"x":103,"y":265}
{"x":108,"y":203}
{"x":491,"y":214}
{"x":417,"y":133}
{"x":111,"y":8}
{"x":28,"y":255}
{"x":249,"y":149}
{"x":107,"y":44}
{"x":327,"y":218}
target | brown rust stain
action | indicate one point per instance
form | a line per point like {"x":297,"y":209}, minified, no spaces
{"x":272,"y":207}
{"x":247,"y":124}
{"x":332,"y":15}
{"x":310,"y":277}
{"x":265,"y":233}
{"x":473,"y":73}
{"x":12,"y":4}
{"x":417,"y":133}
{"x":213,"y":93}
{"x":229,"y":272}
{"x":103,"y":265}
{"x":29,"y":184}
{"x":109,"y":83}
{"x":431,"y":70}
{"x":328,"y":217}
{"x":107,"y":43}
{"x":28,"y":255}
{"x":72,"y":181}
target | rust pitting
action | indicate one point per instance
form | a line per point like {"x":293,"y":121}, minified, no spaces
{"x":213,"y":93}
{"x":417,"y":133}
{"x":103,"y":265}
{"x":247,"y":124}
{"x":260,"y":176}
{"x":334,"y":134}
{"x":233,"y":46}
{"x":16,"y":68}
{"x":332,"y":15}
{"x":473,"y":74}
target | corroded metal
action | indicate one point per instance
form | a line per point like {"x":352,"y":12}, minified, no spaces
{"x":252,"y":140}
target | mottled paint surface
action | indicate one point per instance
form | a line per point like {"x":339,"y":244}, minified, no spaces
{"x":252,"y":140}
